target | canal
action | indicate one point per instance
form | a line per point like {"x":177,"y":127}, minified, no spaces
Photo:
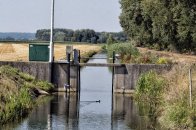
{"x":96,"y":110}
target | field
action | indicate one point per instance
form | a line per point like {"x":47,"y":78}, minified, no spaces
{"x":20,"y":52}
{"x":174,"y":57}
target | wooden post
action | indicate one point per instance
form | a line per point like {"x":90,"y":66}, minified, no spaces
{"x":190,"y":88}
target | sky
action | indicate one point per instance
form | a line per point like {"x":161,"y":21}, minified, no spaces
{"x":30,"y":15}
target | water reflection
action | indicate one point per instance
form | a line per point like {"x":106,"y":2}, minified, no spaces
{"x":124,"y":112}
{"x":67,"y":113}
{"x":64,"y":112}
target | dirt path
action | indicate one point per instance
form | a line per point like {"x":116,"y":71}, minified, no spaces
{"x":175,"y":57}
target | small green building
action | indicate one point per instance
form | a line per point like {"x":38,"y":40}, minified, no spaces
{"x":39,"y":52}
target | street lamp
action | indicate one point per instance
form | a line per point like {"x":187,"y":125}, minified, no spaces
{"x":51,"y":33}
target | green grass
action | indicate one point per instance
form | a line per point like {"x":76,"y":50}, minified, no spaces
{"x":177,"y":114}
{"x":149,"y":95}
{"x":17,"y":93}
{"x":123,"y":49}
{"x":168,"y":99}
{"x":87,"y":55}
{"x":150,"y":87}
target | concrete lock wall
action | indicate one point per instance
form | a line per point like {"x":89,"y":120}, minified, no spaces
{"x":126,"y":76}
{"x":60,"y":76}
{"x":42,"y":71}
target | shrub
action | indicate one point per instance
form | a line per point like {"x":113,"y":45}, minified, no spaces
{"x":178,"y":115}
{"x":150,"y":87}
{"x":146,"y":58}
{"x":123,"y":49}
{"x":162,"y":60}
{"x":130,"y":54}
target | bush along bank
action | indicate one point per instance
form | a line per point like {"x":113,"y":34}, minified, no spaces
{"x":168,"y":97}
{"x":18,"y":92}
{"x":149,"y":94}
{"x":130,"y":54}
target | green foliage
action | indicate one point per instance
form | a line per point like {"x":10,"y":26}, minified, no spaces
{"x":26,"y":76}
{"x":86,"y":55}
{"x":130,"y":54}
{"x":123,"y":49}
{"x":12,"y":36}
{"x":9,"y":71}
{"x":150,"y":87}
{"x":44,"y":85}
{"x":178,"y":115}
{"x":162,"y":60}
{"x":160,"y":22}
{"x":149,"y":93}
{"x":16,"y":105}
{"x":104,"y":47}
{"x":83,"y":35}
{"x":110,"y":40}
{"x":17,"y":92}
{"x":146,"y":58}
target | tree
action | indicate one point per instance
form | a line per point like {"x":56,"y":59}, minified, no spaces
{"x":110,"y":40}
{"x":83,"y":35}
{"x":163,"y":22}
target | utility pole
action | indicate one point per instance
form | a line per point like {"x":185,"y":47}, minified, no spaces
{"x":51,"y":33}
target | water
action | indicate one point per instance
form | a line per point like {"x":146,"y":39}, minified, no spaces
{"x":63,"y":112}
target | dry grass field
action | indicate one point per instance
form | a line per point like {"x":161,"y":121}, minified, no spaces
{"x":174,"y":57}
{"x":20,"y":52}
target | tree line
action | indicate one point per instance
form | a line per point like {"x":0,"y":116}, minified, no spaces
{"x":12,"y":36}
{"x":83,"y":35}
{"x":162,"y":24}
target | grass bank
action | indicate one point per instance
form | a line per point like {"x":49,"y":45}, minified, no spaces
{"x":169,"y":95}
{"x":18,"y":92}
{"x":177,"y":112}
{"x":130,"y":54}
{"x":85,"y":56}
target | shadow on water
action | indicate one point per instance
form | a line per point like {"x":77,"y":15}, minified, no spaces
{"x":96,"y":110}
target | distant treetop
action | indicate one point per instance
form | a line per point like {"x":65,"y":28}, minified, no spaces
{"x":83,"y":35}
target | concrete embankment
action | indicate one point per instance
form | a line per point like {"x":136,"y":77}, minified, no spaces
{"x":42,"y":71}
{"x":125,"y":76}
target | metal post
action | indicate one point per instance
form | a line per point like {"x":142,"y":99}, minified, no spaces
{"x":51,"y":33}
{"x":113,"y":61}
{"x":68,"y":107}
{"x":190,"y":88}
{"x":69,"y":67}
{"x":79,"y":82}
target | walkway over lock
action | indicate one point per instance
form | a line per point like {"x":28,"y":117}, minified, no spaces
{"x":101,"y":64}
